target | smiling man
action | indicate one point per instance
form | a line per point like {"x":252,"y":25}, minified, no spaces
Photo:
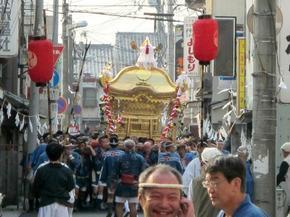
{"x":160,"y":193}
{"x":225,"y":184}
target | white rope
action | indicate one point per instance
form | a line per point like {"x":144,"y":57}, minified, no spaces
{"x":159,"y":185}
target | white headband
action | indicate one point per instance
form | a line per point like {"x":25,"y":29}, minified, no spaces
{"x":159,"y":185}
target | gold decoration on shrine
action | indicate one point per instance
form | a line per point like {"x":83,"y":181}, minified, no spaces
{"x":139,"y":96}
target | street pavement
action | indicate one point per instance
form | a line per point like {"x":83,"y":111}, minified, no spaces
{"x":20,"y":213}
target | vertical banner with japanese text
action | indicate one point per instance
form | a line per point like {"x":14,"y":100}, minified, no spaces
{"x":190,"y":63}
{"x":9,"y":27}
{"x":241,"y":60}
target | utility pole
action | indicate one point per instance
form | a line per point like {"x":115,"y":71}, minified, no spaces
{"x":55,"y":22}
{"x":71,"y":36}
{"x":65,"y":69}
{"x":170,"y":43}
{"x":53,"y":104}
{"x":34,"y":92}
{"x":264,"y":105}
{"x":160,"y":9}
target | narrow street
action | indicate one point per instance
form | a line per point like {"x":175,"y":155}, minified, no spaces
{"x":76,"y":214}
{"x":20,"y":213}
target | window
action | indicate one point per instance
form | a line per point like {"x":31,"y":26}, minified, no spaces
{"x":89,"y":97}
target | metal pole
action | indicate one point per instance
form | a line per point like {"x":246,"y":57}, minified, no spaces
{"x":202,"y":71}
{"x":34,"y":92}
{"x":170,"y":43}
{"x":264,"y":104}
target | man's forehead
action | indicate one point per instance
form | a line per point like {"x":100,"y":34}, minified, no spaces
{"x":214,"y":176}
{"x":162,"y":177}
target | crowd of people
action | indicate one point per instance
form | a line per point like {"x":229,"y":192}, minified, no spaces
{"x":183,"y":178}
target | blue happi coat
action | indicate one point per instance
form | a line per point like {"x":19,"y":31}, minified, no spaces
{"x":172,"y":159}
{"x":108,"y":170}
{"x":130,"y":163}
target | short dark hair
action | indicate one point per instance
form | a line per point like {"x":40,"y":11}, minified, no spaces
{"x":162,"y":168}
{"x":202,"y":144}
{"x":151,"y":140}
{"x":103,"y":137}
{"x":54,"y":151}
{"x":230,"y":166}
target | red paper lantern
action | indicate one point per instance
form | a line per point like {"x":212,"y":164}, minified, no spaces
{"x":205,"y":31}
{"x":40,"y":61}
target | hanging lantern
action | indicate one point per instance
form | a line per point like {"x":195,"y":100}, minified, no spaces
{"x":40,"y":60}
{"x":205,"y":31}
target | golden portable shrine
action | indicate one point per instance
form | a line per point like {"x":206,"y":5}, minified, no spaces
{"x":140,"y":96}
{"x":142,"y":100}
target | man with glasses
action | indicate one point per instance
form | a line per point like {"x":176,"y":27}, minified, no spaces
{"x":197,"y":193}
{"x":225,"y":184}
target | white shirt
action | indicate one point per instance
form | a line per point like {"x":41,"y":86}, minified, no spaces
{"x":192,"y":170}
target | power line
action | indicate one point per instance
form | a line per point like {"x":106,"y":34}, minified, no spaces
{"x":93,"y":5}
{"x":119,"y":15}
{"x":126,"y":16}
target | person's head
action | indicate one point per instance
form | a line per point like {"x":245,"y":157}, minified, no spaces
{"x":139,"y":147}
{"x":162,"y":146}
{"x":68,"y":148}
{"x":170,"y":147}
{"x":181,"y":149}
{"x":285,"y":149}
{"x":200,"y":146}
{"x":152,"y":141}
{"x":45,"y":138}
{"x":94,"y":143}
{"x":211,"y":143}
{"x":208,"y":155}
{"x":82,"y":140}
{"x":188,"y":157}
{"x":104,"y":142}
{"x":160,"y":191}
{"x":114,"y":141}
{"x":225,"y":181}
{"x":54,"y":151}
{"x":129,"y":145}
{"x":191,"y":145}
{"x":220,"y":145}
{"x":147,"y":147}
{"x":243,"y":153}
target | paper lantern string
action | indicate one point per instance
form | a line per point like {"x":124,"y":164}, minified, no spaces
{"x":30,"y":126}
{"x":17,"y":120}
{"x":1,"y":116}
{"x":22,"y":124}
{"x":9,"y":110}
{"x":9,"y":107}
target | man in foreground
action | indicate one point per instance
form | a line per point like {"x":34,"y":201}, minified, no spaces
{"x":160,"y":193}
{"x":225,"y":184}
{"x":54,"y":185}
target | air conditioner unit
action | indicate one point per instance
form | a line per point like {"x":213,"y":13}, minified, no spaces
{"x":195,"y":4}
